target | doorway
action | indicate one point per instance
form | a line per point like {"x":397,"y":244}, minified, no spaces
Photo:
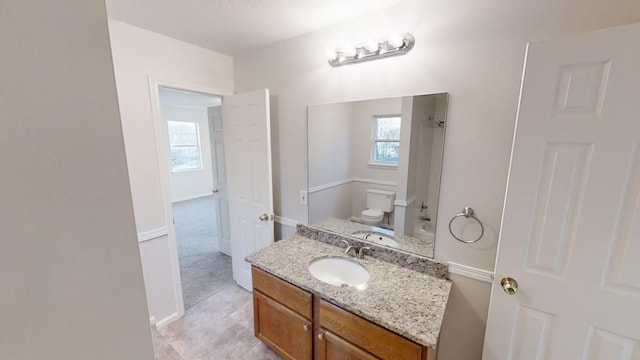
{"x":194,"y":143}
{"x":225,"y":307}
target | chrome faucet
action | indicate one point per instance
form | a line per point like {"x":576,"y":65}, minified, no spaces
{"x":361,"y":252}
{"x":355,"y":249}
{"x":358,"y":252}
{"x":350,"y":247}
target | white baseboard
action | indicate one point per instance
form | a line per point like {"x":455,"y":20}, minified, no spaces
{"x":168,"y":320}
{"x":471,"y":272}
{"x":191,"y":197}
{"x":153,"y":234}
{"x":285,"y":221}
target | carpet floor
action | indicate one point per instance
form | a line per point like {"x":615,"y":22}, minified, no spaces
{"x":204,"y":270}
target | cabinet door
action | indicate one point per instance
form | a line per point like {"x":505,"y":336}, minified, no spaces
{"x":286,"y":332}
{"x":333,"y":347}
{"x":372,"y":338}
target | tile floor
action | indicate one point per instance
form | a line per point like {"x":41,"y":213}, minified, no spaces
{"x":218,"y":328}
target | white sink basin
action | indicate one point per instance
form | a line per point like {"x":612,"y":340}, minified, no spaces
{"x":376,"y":238}
{"x":340,"y":272}
{"x":383,"y":240}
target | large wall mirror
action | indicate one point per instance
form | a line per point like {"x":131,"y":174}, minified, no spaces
{"x":374,"y":169}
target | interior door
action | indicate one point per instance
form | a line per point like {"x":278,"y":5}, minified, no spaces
{"x":570,"y":232}
{"x":247,"y":138}
{"x":219,"y":186}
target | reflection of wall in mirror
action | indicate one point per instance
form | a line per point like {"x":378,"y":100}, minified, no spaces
{"x":368,"y":176}
{"x":423,"y":161}
{"x":339,"y":154}
{"x":436,"y":158}
{"x":405,"y":193}
{"x":330,"y":161}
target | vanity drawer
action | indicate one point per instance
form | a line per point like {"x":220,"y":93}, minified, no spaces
{"x":289,"y":295}
{"x":369,"y":336}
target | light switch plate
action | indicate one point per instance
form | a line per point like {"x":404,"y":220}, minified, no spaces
{"x":303,"y":197}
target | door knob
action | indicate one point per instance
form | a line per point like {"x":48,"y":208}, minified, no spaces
{"x":264,"y":217}
{"x":215,"y":191}
{"x":509,"y":285}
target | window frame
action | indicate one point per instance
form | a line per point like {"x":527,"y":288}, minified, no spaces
{"x":197,"y":146}
{"x":373,"y":162}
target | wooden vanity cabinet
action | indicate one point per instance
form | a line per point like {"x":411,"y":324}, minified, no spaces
{"x":282,"y":316}
{"x":287,"y":317}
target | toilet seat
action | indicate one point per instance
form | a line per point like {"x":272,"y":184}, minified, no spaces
{"x":372,"y":213}
{"x":372,"y":216}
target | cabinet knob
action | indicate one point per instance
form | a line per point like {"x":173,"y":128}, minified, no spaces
{"x":305,"y":327}
{"x":320,"y":336}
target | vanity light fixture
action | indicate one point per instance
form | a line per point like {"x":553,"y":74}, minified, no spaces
{"x":393,"y":46}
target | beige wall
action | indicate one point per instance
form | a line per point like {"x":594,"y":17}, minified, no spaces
{"x":330,"y":143}
{"x":363,"y":112}
{"x":339,"y":144}
{"x":472,"y":49}
{"x":70,"y":268}
{"x":330,"y":130}
{"x":141,"y":57}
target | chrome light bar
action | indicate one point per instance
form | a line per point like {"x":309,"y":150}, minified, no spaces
{"x":394,"y":46}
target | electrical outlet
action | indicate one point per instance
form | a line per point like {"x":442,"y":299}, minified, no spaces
{"x":303,"y":197}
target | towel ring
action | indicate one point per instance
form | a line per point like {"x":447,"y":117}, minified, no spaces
{"x":467,"y":212}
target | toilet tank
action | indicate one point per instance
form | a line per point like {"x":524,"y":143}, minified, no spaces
{"x":381,"y":199}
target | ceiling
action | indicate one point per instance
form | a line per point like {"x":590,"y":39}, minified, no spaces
{"x":236,"y":26}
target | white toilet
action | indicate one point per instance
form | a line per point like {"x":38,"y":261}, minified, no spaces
{"x":378,"y":203}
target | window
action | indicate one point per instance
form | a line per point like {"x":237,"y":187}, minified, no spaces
{"x":385,"y":145}
{"x":184,"y":145}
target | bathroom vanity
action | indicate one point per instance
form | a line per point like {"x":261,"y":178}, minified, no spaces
{"x":396,"y":315}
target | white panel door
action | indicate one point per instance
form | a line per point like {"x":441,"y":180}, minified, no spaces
{"x":570,"y":231}
{"x":219,"y":189}
{"x":248,"y":162}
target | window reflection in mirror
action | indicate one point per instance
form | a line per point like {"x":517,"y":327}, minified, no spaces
{"x":385,"y":139}
{"x":374,"y":169}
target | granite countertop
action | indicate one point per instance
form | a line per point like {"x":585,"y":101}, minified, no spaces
{"x":407,"y":302}
{"x":420,"y":246}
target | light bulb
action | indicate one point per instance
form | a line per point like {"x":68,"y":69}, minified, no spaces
{"x":396,"y":41}
{"x":348,"y":52}
{"x":371,"y":46}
